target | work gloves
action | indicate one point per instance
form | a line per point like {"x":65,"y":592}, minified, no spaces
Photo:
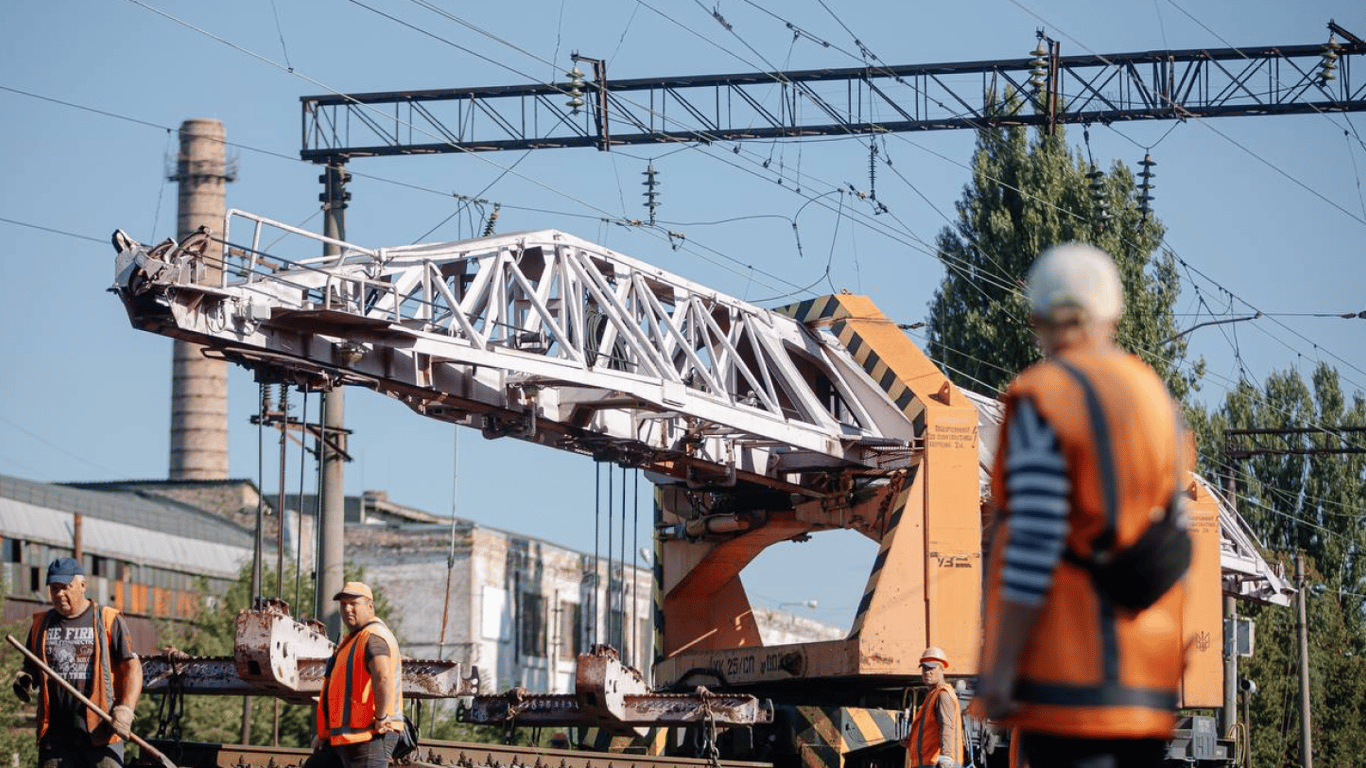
{"x":944,"y":761}
{"x":123,"y":720}
{"x":23,"y":684}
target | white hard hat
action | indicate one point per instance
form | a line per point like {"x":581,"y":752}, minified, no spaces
{"x":1077,"y":275}
{"x":935,"y":653}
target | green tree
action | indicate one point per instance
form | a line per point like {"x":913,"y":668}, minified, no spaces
{"x":1299,"y":501}
{"x":17,"y":734}
{"x":1026,"y":195}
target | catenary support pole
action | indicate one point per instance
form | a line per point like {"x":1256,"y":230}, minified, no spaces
{"x":1306,"y":732}
{"x":1229,"y":714}
{"x":333,"y":494}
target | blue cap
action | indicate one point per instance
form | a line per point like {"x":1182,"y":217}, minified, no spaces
{"x":63,"y":570}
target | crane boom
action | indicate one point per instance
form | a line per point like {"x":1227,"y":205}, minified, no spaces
{"x":540,"y":336}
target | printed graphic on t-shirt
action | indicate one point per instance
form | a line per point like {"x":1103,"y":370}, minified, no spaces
{"x":71,"y":651}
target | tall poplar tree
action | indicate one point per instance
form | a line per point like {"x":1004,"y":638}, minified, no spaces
{"x":1303,"y":493}
{"x":1026,"y":195}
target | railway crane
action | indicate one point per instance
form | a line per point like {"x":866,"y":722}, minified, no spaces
{"x":758,"y":426}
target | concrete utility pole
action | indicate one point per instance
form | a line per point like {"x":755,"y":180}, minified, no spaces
{"x":199,"y":386}
{"x":1229,"y":714}
{"x":333,"y":523}
{"x":1306,"y":732}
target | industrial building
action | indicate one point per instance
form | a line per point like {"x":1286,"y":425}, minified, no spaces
{"x":518,"y":608}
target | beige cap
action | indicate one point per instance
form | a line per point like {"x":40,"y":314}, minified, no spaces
{"x":354,"y":589}
{"x":1076,"y":275}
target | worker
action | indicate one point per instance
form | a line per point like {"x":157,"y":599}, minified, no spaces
{"x":360,"y":706}
{"x":90,"y":647}
{"x":1093,"y":450}
{"x":936,"y":737}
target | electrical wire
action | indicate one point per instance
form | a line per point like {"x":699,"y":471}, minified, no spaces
{"x":164,"y":14}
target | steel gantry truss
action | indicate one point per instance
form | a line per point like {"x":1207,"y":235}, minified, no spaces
{"x":536,"y":335}
{"x":1271,"y":80}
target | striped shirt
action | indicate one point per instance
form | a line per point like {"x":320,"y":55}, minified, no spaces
{"x":1037,"y":488}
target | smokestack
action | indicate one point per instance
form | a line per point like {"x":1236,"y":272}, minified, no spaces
{"x":199,"y":386}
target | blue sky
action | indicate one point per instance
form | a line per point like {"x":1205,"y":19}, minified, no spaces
{"x":1270,"y":211}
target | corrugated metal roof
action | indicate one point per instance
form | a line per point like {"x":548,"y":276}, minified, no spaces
{"x":132,"y":526}
{"x":140,"y":509}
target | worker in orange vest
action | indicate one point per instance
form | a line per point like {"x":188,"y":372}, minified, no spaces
{"x":1092,"y":452}
{"x":360,"y":707}
{"x":936,"y":737}
{"x":89,"y":646}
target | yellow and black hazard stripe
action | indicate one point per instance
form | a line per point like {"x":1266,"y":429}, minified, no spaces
{"x":823,"y":735}
{"x":843,"y":325}
{"x":885,"y":546}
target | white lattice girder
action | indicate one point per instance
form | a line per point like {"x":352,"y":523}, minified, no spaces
{"x":609,"y":348}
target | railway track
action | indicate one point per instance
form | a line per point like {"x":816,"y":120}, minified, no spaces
{"x":431,"y":753}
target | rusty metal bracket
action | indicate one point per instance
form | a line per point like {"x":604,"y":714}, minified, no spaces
{"x":613,"y":696}
{"x":279,"y":656}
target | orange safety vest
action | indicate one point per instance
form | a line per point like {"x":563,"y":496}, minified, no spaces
{"x":101,"y":695}
{"x":1090,"y":669}
{"x":923,"y":745}
{"x":346,"y":704}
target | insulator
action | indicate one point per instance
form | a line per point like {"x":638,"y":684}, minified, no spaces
{"x":1146,"y":178}
{"x":651,"y":191}
{"x":575,"y":89}
{"x":1097,"y":185}
{"x":1328,"y":63}
{"x":1038,"y":71}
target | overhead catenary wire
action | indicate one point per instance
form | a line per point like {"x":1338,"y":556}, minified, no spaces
{"x":93,"y":238}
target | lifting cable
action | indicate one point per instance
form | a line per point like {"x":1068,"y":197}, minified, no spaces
{"x":299,"y":504}
{"x":282,"y":402}
{"x":318,"y":504}
{"x":593,"y":581}
{"x":450,"y":553}
{"x":607,"y":628}
{"x":635,"y":542}
{"x":264,"y":394}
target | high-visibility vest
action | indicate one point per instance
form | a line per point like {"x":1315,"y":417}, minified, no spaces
{"x":923,"y":745}
{"x":99,"y":688}
{"x":346,"y":704}
{"x":1089,"y":668}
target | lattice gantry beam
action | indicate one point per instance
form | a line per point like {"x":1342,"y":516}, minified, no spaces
{"x":539,"y":335}
{"x":1148,"y":85}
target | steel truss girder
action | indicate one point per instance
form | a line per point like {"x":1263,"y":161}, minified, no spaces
{"x":858,"y":100}
{"x":537,"y":335}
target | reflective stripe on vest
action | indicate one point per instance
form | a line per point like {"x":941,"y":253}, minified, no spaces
{"x":1109,"y":488}
{"x":103,"y":694}
{"x":923,"y":744}
{"x":346,"y":704}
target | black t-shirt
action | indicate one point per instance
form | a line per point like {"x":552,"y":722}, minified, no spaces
{"x":69,"y":648}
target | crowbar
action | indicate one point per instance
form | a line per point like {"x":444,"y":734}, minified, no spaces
{"x":71,"y":689}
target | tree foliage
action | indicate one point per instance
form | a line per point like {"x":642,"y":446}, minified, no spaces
{"x":1315,"y":503}
{"x":1026,"y":195}
{"x":17,"y":734}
